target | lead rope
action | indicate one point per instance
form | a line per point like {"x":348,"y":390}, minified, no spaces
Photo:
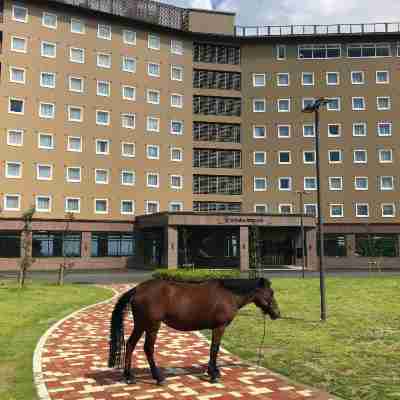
{"x":260,"y":356}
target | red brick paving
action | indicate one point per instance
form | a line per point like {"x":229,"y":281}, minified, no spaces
{"x":74,"y":366}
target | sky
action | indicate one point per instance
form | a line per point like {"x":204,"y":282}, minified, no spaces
{"x":282,"y":12}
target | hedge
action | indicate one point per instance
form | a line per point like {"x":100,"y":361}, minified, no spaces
{"x":195,"y":275}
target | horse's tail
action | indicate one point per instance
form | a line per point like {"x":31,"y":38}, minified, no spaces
{"x":116,"y":356}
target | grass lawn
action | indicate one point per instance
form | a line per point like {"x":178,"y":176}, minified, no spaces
{"x":24,"y":316}
{"x":355,"y":354}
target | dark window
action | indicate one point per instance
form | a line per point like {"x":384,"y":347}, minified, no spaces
{"x":217,"y":184}
{"x":10,"y":244}
{"x":216,"y":80}
{"x":209,"y":206}
{"x":335,"y":245}
{"x":232,"y":246}
{"x":210,"y":158}
{"x":214,"y":132}
{"x":106,"y":244}
{"x":216,"y":54}
{"x":376,"y":245}
{"x":56,"y":244}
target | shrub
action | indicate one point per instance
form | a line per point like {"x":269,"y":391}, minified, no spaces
{"x":197,"y":275}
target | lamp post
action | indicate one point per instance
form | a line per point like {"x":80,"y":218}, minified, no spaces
{"x":314,"y":109}
{"x":303,"y":247}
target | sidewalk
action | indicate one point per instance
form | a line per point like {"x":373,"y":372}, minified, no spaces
{"x":70,"y":363}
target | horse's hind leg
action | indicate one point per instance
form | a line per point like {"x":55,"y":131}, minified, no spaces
{"x":151,"y":336}
{"x":130,"y":347}
{"x":212,"y":369}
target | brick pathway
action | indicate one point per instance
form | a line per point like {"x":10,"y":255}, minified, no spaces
{"x":70,"y":363}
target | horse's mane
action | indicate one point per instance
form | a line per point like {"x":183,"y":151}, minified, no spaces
{"x":244,"y":286}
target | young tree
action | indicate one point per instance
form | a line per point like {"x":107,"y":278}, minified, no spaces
{"x":65,"y":266}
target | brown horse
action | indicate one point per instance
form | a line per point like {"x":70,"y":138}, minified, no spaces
{"x":186,"y":307}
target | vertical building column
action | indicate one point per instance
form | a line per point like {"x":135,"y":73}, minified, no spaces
{"x":351,"y":244}
{"x":244,"y":248}
{"x":86,"y":245}
{"x":171,"y":248}
{"x":311,"y":244}
{"x":138,"y":259}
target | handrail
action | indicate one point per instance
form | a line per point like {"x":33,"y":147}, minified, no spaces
{"x":312,"y":30}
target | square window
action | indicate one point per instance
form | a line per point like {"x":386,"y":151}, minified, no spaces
{"x":104,"y":60}
{"x":153,"y":69}
{"x":129,"y":93}
{"x":384,"y":129}
{"x":153,"y":42}
{"x":129,"y":64}
{"x":176,"y":182}
{"x":358,"y":103}
{"x":310,"y":210}
{"x":385,"y":155}
{"x":361,"y":183}
{"x":101,"y":176}
{"x":360,"y":156}
{"x":128,"y":120}
{"x":176,"y":73}
{"x":77,"y":26}
{"x":283,"y":79}
{"x":308,"y":130}
{"x":332,"y":78}
{"x":74,"y":143}
{"x":44,"y":172}
{"x":75,"y":114}
{"x":76,"y":84}
{"x":128,"y":149}
{"x":285,"y":208}
{"x":260,"y":184}
{"x":43,"y":203}
{"x":49,"y":20}
{"x":176,"y":47}
{"x":259,"y":132}
{"x":12,"y":202}
{"x":152,"y":206}
{"x":360,"y":129}
{"x":383,"y":103}
{"x":310,"y":183}
{"x":153,"y":124}
{"x":260,"y":208}
{"x":336,"y":210}
{"x":285,"y":184}
{"x":102,"y":146}
{"x":15,"y":137}
{"x":357,"y":77}
{"x":19,"y":13}
{"x":104,"y":31}
{"x":102,"y":117}
{"x":19,"y":44}
{"x":47,"y":110}
{"x":153,"y":151}
{"x":382,"y":77}
{"x":388,"y":210}
{"x":333,"y":104}
{"x":153,"y":96}
{"x":259,"y":105}
{"x":103,"y":88}
{"x":362,"y":210}
{"x":259,"y":80}
{"x":128,"y":178}
{"x":386,"y":183}
{"x":45,"y":141}
{"x":284,"y":157}
{"x":152,"y":179}
{"x":176,"y":127}
{"x":13,"y":169}
{"x":334,"y":130}
{"x":77,"y":55}
{"x":175,"y":206}
{"x":284,"y":131}
{"x":48,"y":49}
{"x":129,"y":37}
{"x":309,"y":157}
{"x":127,"y":207}
{"x":283,"y":105}
{"x":335,"y":183}
{"x":73,"y":204}
{"x":16,"y":106}
{"x":48,"y":80}
{"x":308,"y":102}
{"x":176,"y":100}
{"x":101,"y":206}
{"x":307,"y":78}
{"x":176,"y":154}
{"x":259,"y":158}
{"x":17,"y":75}
{"x":73,"y":174}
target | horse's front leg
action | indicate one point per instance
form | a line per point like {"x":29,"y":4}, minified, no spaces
{"x":212,"y":369}
{"x":151,"y":336}
{"x":130,"y":347}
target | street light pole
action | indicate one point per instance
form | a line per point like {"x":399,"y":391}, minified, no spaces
{"x":303,"y":247}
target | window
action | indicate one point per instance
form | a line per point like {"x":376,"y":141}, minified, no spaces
{"x":19,"y":44}
{"x":308,"y":130}
{"x":153,"y":42}
{"x":56,"y":244}
{"x":357,"y":77}
{"x":386,"y":183}
{"x":284,"y":157}
{"x":384,"y":129}
{"x":334,"y":130}
{"x":336,"y":210}
{"x":13,"y":169}
{"x":309,"y":157}
{"x":382,"y":77}
{"x":176,"y":73}
{"x":76,"y":84}
{"x":15,"y":137}
{"x":128,"y":64}
{"x":73,"y":205}
{"x":360,"y":129}
{"x":75,"y":114}
{"x":153,"y":69}
{"x":283,"y":105}
{"x":281,"y":52}
{"x":127,"y":178}
{"x":307,"y":78}
{"x":176,"y":127}
{"x":12,"y":202}
{"x":260,"y":184}
{"x":153,"y":96}
{"x":259,"y":132}
{"x":17,"y":75}
{"x":77,"y":26}
{"x":260,"y":208}
{"x":310,"y":183}
{"x":285,"y":184}
{"x":333,"y":104}
{"x":129,"y":93}
{"x":176,"y":100}
{"x":383,"y":103}
{"x":101,"y":206}
{"x":310,"y":210}
{"x":49,"y":20}
{"x":101,"y":176}
{"x":259,"y":158}
{"x":259,"y":105}
{"x":16,"y":106}
{"x":152,"y":179}
{"x":388,"y":210}
{"x":361,"y":183}
{"x":104,"y":60}
{"x":19,"y":13}
{"x":74,"y":143}
{"x":308,"y":102}
{"x":76,"y":55}
{"x":113,"y":244}
{"x":175,"y":206}
{"x":47,"y":110}
{"x":104,"y":31}
{"x":176,"y":47}
{"x":44,"y":172}
{"x":128,"y":120}
{"x":332,"y":78}
{"x":153,"y":124}
{"x":176,"y":181}
{"x":319,"y":51}
{"x":73,"y":174}
{"x":377,"y":245}
{"x":385,"y":155}
{"x":153,"y":152}
{"x":152,"y":206}
{"x":48,"y":80}
{"x":259,"y":80}
{"x":335,"y":245}
{"x":283,"y":79}
{"x":102,"y":146}
{"x":128,"y":149}
{"x":45,"y":141}
{"x":103,"y":88}
{"x":358,"y":103}
{"x":360,"y":156}
{"x":284,"y":131}
{"x":368,"y":50}
{"x":129,"y":37}
{"x":102,"y":117}
{"x":176,"y":154}
{"x":127,"y":207}
{"x":285,"y":208}
{"x":48,"y":49}
{"x":43,"y":203}
{"x":362,"y":210}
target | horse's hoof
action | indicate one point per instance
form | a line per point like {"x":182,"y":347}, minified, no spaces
{"x":130,"y":381}
{"x":161,"y":382}
{"x":214,"y":379}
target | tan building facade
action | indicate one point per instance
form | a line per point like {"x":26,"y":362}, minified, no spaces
{"x":123,"y":110}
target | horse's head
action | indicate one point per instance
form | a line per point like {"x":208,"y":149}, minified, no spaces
{"x":264,"y":299}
